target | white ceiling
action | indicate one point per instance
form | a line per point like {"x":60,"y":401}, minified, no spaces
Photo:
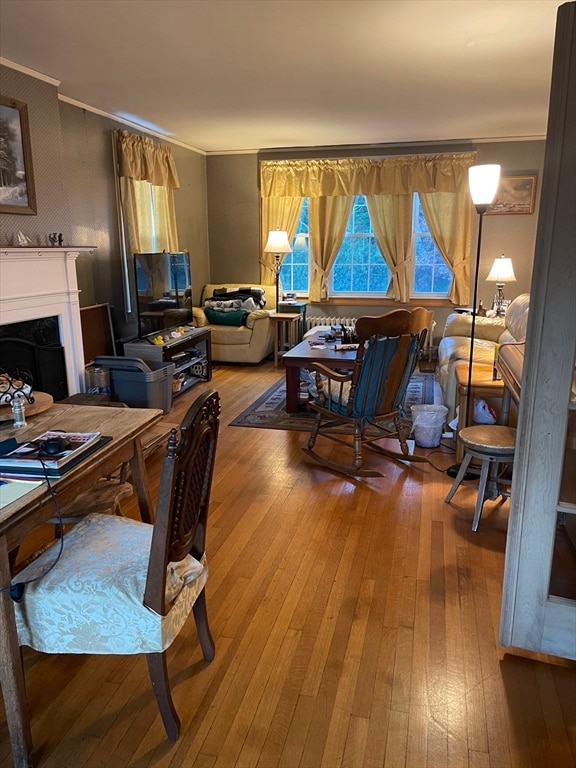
{"x":239,"y":75}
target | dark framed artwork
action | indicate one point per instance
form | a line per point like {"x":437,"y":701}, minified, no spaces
{"x":516,"y":195}
{"x":17,"y":194}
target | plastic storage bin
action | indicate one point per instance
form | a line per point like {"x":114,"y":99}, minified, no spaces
{"x":140,"y":384}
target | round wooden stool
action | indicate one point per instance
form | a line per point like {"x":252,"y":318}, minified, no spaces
{"x":491,"y":445}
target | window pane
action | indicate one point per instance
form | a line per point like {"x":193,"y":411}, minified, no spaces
{"x":359,"y":266}
{"x":294,"y":270}
{"x":431,"y":274}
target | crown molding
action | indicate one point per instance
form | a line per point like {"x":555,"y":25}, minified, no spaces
{"x":30,"y":72}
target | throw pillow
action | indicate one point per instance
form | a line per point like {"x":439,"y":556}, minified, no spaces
{"x":199,"y":317}
{"x":216,"y":317}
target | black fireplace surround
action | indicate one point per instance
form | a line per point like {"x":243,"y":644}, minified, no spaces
{"x":32,"y":350}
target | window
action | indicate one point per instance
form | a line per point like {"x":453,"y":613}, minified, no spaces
{"x":295,"y":266}
{"x":432,"y":277}
{"x":359,"y":268}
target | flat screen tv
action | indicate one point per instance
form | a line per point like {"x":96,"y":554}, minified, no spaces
{"x":161,"y":281}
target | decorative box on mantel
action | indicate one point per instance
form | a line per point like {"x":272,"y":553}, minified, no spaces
{"x":38,"y":282}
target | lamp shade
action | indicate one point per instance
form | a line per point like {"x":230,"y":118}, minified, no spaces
{"x":502,"y":271}
{"x":277,"y":242}
{"x":483,"y":181}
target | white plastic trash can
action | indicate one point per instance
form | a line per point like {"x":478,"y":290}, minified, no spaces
{"x":428,"y":424}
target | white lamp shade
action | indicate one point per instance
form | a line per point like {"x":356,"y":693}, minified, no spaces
{"x":277,"y":242}
{"x":502,"y":271}
{"x":483,"y":181}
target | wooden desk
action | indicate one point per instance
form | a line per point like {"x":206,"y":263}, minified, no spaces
{"x":284,"y":322}
{"x":482,"y":385}
{"x":124,"y":425}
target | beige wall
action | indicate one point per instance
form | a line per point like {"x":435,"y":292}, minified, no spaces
{"x":234,"y":218}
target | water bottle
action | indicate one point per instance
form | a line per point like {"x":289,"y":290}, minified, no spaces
{"x":18,"y":411}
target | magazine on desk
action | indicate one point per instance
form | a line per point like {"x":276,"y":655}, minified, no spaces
{"x":33,"y":459}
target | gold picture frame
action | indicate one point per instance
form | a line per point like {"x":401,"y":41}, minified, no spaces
{"x":516,"y":195}
{"x":17,"y":193}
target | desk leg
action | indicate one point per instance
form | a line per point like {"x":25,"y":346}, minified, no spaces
{"x":12,"y":674}
{"x":138,"y":469}
{"x":292,"y":382}
{"x":278,"y":328}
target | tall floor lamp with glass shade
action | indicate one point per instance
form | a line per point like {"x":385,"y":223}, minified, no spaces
{"x":483,"y":181}
{"x":279,"y":245}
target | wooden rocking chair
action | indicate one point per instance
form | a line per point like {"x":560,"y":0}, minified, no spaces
{"x":367,"y":402}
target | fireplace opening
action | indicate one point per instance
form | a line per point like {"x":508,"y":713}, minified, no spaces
{"x":32,"y":348}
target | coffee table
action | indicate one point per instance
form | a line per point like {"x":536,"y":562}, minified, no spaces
{"x":303,"y":355}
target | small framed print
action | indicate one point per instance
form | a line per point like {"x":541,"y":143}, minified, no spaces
{"x":516,"y":195}
{"x":17,"y":193}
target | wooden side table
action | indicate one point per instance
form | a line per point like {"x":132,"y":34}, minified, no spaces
{"x":286,"y":325}
{"x":482,"y":385}
{"x":295,"y":306}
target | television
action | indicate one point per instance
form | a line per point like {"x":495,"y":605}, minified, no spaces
{"x":163,"y":284}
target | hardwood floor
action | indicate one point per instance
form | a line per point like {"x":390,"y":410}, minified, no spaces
{"x":356,"y":625}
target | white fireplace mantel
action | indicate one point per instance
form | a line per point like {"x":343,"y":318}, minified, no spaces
{"x":41,"y":282}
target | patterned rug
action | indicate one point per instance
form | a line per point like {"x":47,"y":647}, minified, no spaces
{"x":269,"y":410}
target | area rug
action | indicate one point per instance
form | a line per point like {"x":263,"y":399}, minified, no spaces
{"x":269,"y":410}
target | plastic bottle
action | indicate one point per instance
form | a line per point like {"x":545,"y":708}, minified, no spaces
{"x":18,"y":411}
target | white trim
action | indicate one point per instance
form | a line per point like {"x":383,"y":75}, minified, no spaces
{"x":30,"y":72}
{"x":123,"y":121}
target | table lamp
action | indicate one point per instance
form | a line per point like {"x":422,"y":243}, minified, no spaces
{"x":502,"y":272}
{"x":277,"y":244}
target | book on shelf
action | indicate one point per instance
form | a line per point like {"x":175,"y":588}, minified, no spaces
{"x":33,"y":459}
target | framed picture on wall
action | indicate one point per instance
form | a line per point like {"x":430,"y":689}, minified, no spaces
{"x":516,"y":195}
{"x":17,"y":194}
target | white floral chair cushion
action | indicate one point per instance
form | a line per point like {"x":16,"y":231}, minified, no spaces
{"x":92,"y":600}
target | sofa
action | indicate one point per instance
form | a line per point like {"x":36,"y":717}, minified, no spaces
{"x":492,"y":335}
{"x":248,"y":339}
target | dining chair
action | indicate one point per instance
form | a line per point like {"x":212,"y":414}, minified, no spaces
{"x":126,"y":587}
{"x":367,"y":402}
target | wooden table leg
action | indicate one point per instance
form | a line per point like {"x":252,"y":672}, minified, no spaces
{"x":12,"y":674}
{"x":292,"y":382}
{"x":138,"y":470}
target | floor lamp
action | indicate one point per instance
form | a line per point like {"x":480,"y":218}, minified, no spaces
{"x":277,"y":244}
{"x":483,"y":182}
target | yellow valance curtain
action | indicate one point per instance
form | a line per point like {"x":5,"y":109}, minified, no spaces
{"x":143,"y":159}
{"x":361,"y":176}
{"x":147,"y":179}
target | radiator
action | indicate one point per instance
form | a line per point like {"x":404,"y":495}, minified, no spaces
{"x":311,"y":322}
